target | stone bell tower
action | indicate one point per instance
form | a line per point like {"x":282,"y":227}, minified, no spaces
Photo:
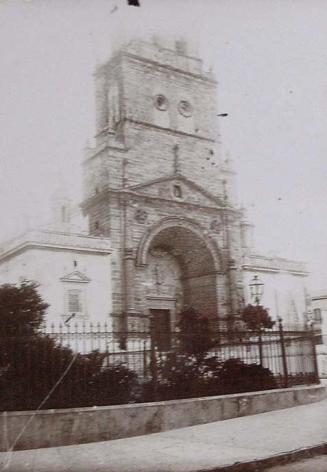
{"x":155,"y":183}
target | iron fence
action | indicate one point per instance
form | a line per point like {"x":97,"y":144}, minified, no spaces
{"x":83,"y":365}
{"x":289,"y":353}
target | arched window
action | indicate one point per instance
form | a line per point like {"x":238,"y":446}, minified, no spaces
{"x":177,"y":191}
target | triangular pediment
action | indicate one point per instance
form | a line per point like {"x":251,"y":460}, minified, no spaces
{"x":75,"y":276}
{"x":177,"y":188}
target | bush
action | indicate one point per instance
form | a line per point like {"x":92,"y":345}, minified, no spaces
{"x":114,"y":385}
{"x":187,"y":377}
{"x":31,"y":363}
{"x":192,"y":371}
{"x":182,"y":376}
{"x":194,"y":335}
{"x":237,"y":377}
{"x":35,"y":364}
{"x":256,"y":317}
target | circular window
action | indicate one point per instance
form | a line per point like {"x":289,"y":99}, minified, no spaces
{"x":161,"y":102}
{"x":185,"y":108}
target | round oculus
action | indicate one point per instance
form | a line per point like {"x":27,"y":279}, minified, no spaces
{"x":185,"y":108}
{"x":161,"y":102}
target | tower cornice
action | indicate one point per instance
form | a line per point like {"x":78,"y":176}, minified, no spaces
{"x":151,"y":63}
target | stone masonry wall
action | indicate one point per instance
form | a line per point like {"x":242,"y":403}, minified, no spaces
{"x":149,"y":144}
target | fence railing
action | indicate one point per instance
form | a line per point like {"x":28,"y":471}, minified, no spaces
{"x":86,"y":365}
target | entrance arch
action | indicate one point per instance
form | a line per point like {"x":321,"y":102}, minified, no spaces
{"x":182,"y":264}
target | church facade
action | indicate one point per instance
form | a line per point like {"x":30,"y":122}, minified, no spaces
{"x":164,"y":231}
{"x":156,"y":184}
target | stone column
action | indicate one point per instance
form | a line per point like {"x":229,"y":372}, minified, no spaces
{"x":222,"y":299}
{"x":129,"y":269}
{"x":232,"y":286}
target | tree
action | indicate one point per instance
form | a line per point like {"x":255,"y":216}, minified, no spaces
{"x":188,"y":372}
{"x":195,"y":336}
{"x":32,"y":364}
{"x":22,"y":309}
{"x":256,"y":318}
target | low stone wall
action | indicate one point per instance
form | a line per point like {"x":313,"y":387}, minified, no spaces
{"x":49,"y":428}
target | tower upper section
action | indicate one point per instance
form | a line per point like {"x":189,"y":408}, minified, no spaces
{"x":156,"y":115}
{"x":149,"y":84}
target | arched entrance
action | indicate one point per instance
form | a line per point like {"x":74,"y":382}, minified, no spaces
{"x":181,"y":271}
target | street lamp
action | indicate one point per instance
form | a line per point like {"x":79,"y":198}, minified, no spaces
{"x":256,"y":289}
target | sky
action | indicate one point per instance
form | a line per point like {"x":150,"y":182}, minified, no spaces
{"x":270,"y":59}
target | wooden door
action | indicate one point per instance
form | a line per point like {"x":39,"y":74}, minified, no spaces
{"x":161,"y":329}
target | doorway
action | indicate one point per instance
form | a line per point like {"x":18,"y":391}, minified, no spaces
{"x":161,"y":329}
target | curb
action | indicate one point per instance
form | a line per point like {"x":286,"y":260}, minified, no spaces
{"x":259,"y":465}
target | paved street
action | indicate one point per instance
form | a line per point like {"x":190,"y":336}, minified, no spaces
{"x":203,"y":447}
{"x":316,"y":464}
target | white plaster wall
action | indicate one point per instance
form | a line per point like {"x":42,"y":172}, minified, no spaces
{"x":322,"y":304}
{"x":284,"y":294}
{"x":47,"y":267}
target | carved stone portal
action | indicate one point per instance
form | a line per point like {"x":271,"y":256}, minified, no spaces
{"x":164,"y":276}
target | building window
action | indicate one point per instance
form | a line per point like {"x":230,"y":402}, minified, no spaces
{"x":75,"y":301}
{"x":317,"y":315}
{"x":177,"y":191}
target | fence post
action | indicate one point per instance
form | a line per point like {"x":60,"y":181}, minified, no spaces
{"x":260,"y":347}
{"x":282,"y":345}
{"x":153,"y":361}
{"x":314,"y":353}
{"x":145,"y":367}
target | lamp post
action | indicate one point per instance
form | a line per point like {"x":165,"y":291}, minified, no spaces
{"x":256,"y":292}
{"x":229,"y":262}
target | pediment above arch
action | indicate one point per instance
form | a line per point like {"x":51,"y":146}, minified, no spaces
{"x":177,"y":188}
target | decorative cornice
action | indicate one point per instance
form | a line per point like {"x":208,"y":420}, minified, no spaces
{"x":94,"y":152}
{"x":132,"y":192}
{"x":125,"y":193}
{"x":57,"y":241}
{"x":258,"y":263}
{"x":173,"y":132}
{"x":321,"y":295}
{"x":165,"y":66}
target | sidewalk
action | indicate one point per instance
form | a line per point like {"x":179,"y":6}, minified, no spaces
{"x":206,"y":447}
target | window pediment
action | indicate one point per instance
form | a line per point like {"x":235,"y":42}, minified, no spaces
{"x":76,"y":277}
